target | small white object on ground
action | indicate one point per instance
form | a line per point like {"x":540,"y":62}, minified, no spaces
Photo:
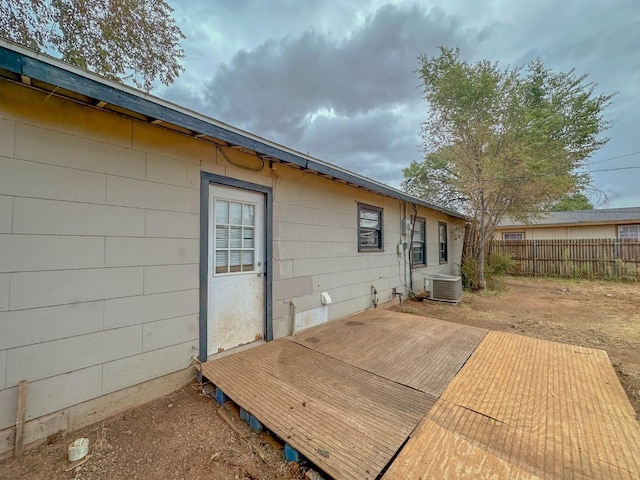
{"x":78,"y":449}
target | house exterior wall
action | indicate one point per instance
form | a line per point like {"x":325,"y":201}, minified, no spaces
{"x":99,"y":255}
{"x":562,"y":232}
{"x":99,"y":245}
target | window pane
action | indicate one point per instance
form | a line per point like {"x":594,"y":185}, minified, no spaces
{"x":247,"y":260}
{"x":248,"y":215}
{"x":418,"y":231}
{"x":247,"y":238}
{"x":369,"y":238}
{"x":222,"y":261}
{"x":222,"y":211}
{"x":443,"y":233}
{"x":369,"y":219}
{"x":235,"y":237}
{"x":235,"y":213}
{"x":235,"y":260}
{"x":222,"y":237}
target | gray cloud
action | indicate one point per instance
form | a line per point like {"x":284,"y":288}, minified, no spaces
{"x":343,"y":99}
{"x":336,"y":79}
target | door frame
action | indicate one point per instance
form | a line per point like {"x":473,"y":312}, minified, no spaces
{"x":206,"y":180}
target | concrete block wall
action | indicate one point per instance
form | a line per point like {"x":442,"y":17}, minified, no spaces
{"x":99,"y":252}
{"x":316,"y":248}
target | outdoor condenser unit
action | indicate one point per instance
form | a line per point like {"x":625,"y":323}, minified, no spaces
{"x":445,"y":288}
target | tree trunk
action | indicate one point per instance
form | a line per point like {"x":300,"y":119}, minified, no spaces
{"x":482,"y":283}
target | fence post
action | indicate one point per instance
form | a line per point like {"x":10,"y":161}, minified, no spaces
{"x":535,"y":258}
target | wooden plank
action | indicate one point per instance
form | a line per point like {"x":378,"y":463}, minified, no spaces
{"x":22,"y":408}
{"x":419,"y":352}
{"x":458,"y":458}
{"x":347,"y":421}
{"x":556,"y":411}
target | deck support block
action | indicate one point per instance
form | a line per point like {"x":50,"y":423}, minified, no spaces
{"x":252,"y":421}
{"x":291,"y":454}
{"x":221,"y":397}
{"x":255,"y":424}
{"x":244,"y":415}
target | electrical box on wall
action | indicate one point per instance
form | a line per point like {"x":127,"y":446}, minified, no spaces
{"x":406,"y":226}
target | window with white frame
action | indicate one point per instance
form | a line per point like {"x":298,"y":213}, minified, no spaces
{"x":419,"y":246}
{"x":370,"y":228}
{"x":513,"y":236}
{"x":629,"y":231}
{"x":234,"y":237}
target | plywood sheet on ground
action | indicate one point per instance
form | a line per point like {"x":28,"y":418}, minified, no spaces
{"x":347,"y":421}
{"x":420,"y":352}
{"x":457,"y":458}
{"x":556,"y":411}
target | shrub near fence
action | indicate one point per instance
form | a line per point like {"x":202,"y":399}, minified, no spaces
{"x":580,"y":258}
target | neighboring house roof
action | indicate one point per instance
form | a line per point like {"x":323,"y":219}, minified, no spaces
{"x":579,"y":217}
{"x":49,"y":74}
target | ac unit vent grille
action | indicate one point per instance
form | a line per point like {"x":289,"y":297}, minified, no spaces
{"x":446,"y":288}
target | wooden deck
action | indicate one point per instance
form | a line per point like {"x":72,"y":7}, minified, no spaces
{"x":527,"y":408}
{"x":419,"y":352}
{"x":400,"y":396}
{"x":348,"y":394}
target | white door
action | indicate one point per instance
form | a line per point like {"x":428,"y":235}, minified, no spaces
{"x":236,"y":296}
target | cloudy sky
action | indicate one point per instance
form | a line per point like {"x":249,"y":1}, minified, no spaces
{"x":336,"y":79}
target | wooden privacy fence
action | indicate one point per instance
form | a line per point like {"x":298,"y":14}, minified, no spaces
{"x":581,"y":258}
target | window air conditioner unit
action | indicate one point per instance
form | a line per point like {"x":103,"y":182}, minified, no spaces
{"x":445,"y":288}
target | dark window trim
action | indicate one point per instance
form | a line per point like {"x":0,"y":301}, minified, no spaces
{"x":424,"y":244}
{"x":380,"y":210}
{"x":207,"y":179}
{"x":446,"y":244}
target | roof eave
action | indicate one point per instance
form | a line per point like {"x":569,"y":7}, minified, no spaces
{"x":33,"y":65}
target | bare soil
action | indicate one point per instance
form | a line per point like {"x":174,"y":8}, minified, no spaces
{"x":182,"y":436}
{"x":597,"y":314}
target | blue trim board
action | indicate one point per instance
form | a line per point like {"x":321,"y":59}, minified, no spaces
{"x":207,"y":179}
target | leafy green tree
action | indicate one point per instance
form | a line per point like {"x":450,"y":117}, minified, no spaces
{"x":575,"y":201}
{"x":503,"y":141}
{"x":122,"y":40}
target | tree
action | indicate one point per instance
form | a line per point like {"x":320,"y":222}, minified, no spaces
{"x":575,"y":201}
{"x":122,"y":40}
{"x":503,"y":141}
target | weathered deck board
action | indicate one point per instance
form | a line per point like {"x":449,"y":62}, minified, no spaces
{"x":347,"y":421}
{"x":547,"y":409}
{"x":420,"y":352}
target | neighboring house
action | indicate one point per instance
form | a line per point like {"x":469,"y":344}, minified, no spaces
{"x":620,"y":223}
{"x":137,"y":237}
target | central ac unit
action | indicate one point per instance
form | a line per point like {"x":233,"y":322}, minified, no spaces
{"x":446,"y":288}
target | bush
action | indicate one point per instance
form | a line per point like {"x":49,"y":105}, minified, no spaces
{"x":496,"y":266}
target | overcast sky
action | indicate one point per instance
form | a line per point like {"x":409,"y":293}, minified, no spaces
{"x":336,"y":79}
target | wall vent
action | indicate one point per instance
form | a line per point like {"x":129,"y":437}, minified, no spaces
{"x":446,"y":288}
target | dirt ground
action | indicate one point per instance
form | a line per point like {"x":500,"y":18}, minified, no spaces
{"x":182,"y":436}
{"x":596,"y":314}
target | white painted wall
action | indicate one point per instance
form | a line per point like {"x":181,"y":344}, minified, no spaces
{"x":99,"y":250}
